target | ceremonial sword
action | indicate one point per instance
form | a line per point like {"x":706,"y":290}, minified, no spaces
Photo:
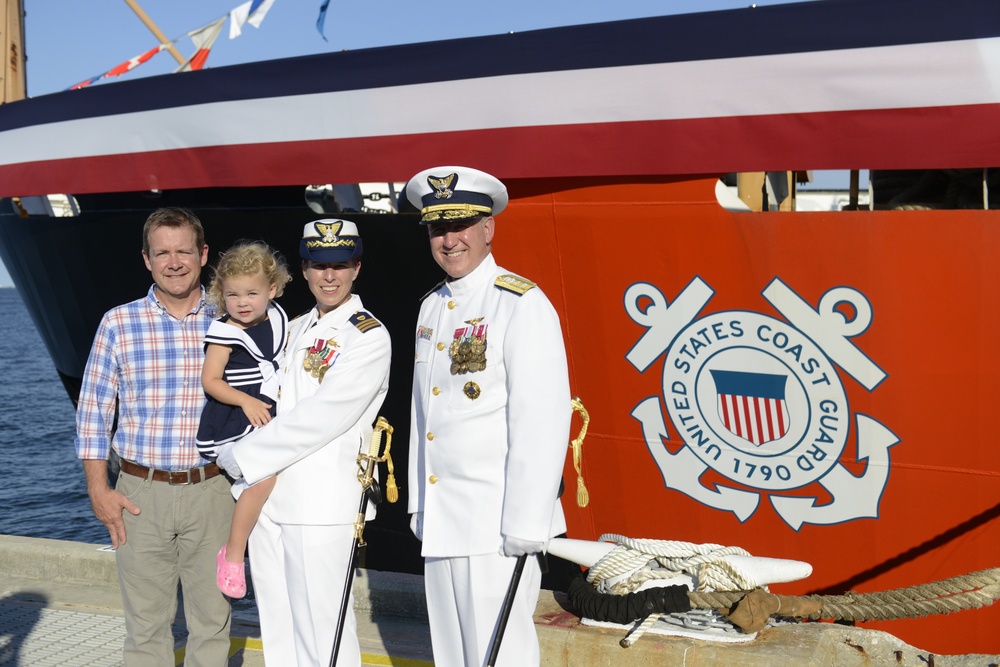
{"x":369,"y":492}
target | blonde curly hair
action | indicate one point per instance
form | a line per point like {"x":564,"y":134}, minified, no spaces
{"x":248,"y":258}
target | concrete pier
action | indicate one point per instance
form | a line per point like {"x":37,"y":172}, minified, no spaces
{"x":60,"y":605}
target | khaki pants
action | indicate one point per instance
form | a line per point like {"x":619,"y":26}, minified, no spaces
{"x":175,"y":538}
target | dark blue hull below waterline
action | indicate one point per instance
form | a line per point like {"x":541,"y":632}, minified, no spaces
{"x":70,"y":271}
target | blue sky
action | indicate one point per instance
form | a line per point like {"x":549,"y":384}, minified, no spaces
{"x":68,"y":41}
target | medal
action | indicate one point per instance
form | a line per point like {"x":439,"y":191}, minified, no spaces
{"x":468,"y":348}
{"x":320,"y":357}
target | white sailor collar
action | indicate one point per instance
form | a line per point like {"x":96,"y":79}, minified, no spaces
{"x":224,"y":333}
{"x":483,"y":274}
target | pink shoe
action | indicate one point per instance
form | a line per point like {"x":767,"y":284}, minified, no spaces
{"x":230,"y":576}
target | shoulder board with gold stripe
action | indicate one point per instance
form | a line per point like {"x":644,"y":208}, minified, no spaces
{"x":512,"y":283}
{"x":364,"y":321}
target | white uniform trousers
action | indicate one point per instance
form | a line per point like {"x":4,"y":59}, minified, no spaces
{"x":298,"y":575}
{"x":464,"y":596}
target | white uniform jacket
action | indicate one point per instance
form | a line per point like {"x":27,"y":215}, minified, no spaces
{"x":488,"y":445}
{"x":322,"y":420}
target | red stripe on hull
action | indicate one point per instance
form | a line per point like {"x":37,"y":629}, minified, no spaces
{"x":881,"y":139}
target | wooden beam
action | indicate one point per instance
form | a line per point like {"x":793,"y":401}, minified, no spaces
{"x":13,"y":80}
{"x":181,"y":60}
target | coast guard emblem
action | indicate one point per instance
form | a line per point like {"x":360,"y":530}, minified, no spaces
{"x":442,"y":186}
{"x":328,"y":230}
{"x":761,"y":402}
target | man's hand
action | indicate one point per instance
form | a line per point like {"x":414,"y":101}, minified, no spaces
{"x":107,"y":503}
{"x":226,"y":459}
{"x":515,"y":546}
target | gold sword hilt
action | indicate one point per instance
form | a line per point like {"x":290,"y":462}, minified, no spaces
{"x":366,"y":472}
{"x":368,"y":461}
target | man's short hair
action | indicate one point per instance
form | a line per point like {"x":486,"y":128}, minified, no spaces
{"x":176,"y":218}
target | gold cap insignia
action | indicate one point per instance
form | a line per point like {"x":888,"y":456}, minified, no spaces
{"x":442,"y":186}
{"x":329,"y":230}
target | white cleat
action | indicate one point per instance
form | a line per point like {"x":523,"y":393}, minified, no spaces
{"x":762,"y":570}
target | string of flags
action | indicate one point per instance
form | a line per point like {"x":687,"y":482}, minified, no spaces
{"x":203,"y":38}
{"x":251,"y":11}
{"x":118,"y":70}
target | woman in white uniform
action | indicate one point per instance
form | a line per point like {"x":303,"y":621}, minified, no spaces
{"x":335,"y":380}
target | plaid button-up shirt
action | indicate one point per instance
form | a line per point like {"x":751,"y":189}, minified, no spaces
{"x":152,"y":362}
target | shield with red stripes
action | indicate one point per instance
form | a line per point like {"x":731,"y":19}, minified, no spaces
{"x":752,"y":405}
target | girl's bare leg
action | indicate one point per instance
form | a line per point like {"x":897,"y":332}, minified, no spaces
{"x":248,"y":507}
{"x":229,"y":573}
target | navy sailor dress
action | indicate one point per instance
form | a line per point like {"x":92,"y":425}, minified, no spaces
{"x":252,"y":368}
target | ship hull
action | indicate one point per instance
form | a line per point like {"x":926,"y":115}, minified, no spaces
{"x":884,"y":476}
{"x":809,"y":386}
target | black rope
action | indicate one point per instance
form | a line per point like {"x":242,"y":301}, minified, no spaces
{"x":622,"y":609}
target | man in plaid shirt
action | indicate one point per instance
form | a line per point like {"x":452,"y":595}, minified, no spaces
{"x":170,"y":511}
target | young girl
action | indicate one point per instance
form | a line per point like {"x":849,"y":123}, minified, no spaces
{"x":242,"y":357}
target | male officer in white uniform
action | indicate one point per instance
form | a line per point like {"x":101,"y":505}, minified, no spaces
{"x":490,"y":426}
{"x":334,"y":381}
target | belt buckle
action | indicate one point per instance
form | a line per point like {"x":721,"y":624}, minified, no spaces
{"x":171,"y":482}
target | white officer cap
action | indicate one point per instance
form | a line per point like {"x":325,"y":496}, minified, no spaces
{"x":455,"y":193}
{"x":330,"y":241}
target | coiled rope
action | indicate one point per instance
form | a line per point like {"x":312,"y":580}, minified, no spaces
{"x":702,"y":561}
{"x":720,"y":585}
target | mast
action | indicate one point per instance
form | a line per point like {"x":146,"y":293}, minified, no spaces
{"x":13,"y":82}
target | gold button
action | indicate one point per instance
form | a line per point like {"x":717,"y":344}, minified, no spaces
{"x":440,"y":346}
{"x":433,"y":479}
{"x":430,"y":436}
{"x":436,"y":390}
{"x":416,"y":356}
{"x":451,"y":305}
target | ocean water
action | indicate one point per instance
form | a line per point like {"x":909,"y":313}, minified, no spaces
{"x":42,"y":489}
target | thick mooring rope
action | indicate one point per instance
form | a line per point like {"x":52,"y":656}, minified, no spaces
{"x":704,"y":561}
{"x":969,"y":591}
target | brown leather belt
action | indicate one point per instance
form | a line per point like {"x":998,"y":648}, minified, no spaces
{"x":192,"y":476}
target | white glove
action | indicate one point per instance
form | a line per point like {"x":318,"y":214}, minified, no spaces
{"x":417,"y":525}
{"x":226,"y":459}
{"x":515,"y":546}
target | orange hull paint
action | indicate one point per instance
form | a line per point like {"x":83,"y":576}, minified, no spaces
{"x":932,"y":283}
